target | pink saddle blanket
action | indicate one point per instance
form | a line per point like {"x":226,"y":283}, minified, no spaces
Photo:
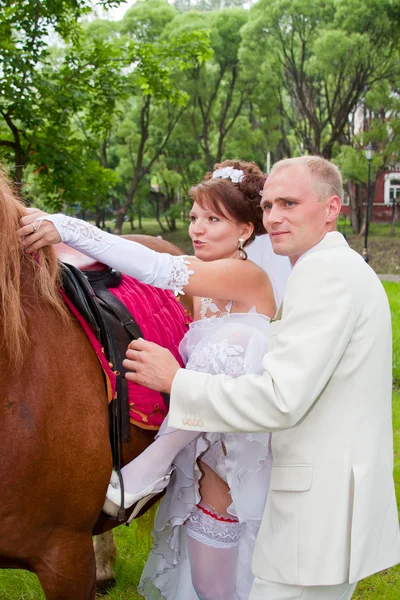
{"x":162,"y":321}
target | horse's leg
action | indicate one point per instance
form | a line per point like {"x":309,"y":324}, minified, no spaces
{"x":105,"y":552}
{"x":66,"y":568}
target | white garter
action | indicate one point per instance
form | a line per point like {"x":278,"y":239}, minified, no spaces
{"x":211,"y":531}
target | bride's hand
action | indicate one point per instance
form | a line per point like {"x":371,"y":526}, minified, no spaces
{"x":35,"y":232}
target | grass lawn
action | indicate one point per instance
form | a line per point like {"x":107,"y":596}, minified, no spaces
{"x":134,"y":541}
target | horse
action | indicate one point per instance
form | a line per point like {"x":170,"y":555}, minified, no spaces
{"x":56,"y":456}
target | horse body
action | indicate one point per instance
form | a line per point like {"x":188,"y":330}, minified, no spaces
{"x":56,"y":453}
{"x":56,"y":457}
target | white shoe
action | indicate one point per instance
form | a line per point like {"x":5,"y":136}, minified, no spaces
{"x":112,"y":502}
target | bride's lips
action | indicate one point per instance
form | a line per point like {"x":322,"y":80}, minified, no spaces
{"x":198,"y":243}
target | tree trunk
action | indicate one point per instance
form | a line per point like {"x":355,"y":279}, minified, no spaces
{"x":371,"y":202}
{"x":19,"y":154}
{"x":394,"y":218}
{"x":355,"y":206}
{"x":171,"y":222}
{"x":98,"y":218}
{"x":119,"y":221}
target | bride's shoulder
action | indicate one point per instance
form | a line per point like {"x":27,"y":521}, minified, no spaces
{"x":255,"y":272}
{"x":255,"y":267}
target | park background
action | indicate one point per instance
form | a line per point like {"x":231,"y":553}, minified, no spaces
{"x":110,"y":111}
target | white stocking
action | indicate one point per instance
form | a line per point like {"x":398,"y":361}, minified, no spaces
{"x":156,"y":460}
{"x":213,"y":548}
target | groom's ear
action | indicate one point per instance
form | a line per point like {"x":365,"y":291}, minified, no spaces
{"x":334,"y":207}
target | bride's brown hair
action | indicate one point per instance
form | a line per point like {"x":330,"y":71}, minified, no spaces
{"x":237,"y":201}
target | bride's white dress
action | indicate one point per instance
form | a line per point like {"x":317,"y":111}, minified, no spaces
{"x":233,"y":344}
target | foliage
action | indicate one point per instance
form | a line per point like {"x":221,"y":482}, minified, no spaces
{"x":325,"y":56}
{"x":25,"y":56}
{"x":92,"y":110}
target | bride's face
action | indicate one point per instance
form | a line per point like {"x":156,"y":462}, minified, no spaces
{"x":215,"y":236}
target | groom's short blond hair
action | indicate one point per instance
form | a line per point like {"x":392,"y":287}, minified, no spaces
{"x":326,"y":174}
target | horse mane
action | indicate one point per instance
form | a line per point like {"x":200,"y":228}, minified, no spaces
{"x":45,"y":277}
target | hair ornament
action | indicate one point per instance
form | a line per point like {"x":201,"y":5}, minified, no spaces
{"x":235,"y":175}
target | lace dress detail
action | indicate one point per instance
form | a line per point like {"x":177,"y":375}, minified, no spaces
{"x":78,"y":228}
{"x":180,"y":274}
{"x":204,"y":306}
{"x":233,"y":344}
{"x":207,"y":304}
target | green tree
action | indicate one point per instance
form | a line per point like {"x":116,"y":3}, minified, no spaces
{"x":325,"y":55}
{"x":157,"y":99}
{"x":380,"y":125}
{"x":24,"y":53}
{"x":219,"y":89}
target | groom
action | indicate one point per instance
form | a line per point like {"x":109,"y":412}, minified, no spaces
{"x":331,"y":517}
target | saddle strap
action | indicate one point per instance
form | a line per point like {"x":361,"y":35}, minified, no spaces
{"x":100,"y":285}
{"x":120,"y":311}
{"x":82,"y":295}
{"x":123,"y":330}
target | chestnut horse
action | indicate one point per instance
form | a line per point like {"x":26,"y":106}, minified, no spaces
{"x":56,"y":457}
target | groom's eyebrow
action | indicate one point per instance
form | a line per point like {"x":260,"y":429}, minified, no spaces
{"x":265,"y":201}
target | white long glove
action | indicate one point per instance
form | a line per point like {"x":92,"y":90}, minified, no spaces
{"x":159,"y":270}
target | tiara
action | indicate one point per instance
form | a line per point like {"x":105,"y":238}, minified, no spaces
{"x":235,"y":175}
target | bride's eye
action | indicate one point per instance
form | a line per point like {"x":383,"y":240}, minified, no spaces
{"x":192,"y":218}
{"x":213,"y":219}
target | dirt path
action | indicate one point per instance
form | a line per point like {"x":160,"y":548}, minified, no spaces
{"x":389,"y":277}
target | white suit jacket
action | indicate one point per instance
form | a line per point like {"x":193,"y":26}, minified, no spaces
{"x":325,"y":393}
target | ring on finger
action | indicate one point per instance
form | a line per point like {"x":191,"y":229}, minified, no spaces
{"x":34,"y":227}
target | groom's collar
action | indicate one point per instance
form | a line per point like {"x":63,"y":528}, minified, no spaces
{"x":330,"y":240}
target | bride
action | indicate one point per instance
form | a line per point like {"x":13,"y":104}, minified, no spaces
{"x":206,"y":526}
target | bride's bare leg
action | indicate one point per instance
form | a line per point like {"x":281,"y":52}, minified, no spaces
{"x":213,"y":540}
{"x":214,"y":491}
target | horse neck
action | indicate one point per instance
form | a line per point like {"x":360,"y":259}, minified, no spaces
{"x":28,"y":287}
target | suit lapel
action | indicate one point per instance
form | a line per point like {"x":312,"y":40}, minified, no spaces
{"x":329,"y":241}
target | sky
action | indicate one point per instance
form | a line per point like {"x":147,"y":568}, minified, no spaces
{"x":116,"y":13}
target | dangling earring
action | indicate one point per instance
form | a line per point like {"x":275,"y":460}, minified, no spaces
{"x":242,"y":253}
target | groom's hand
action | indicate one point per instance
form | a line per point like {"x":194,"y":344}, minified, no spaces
{"x":150,"y":365}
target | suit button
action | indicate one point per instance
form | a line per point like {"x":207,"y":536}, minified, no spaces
{"x":184,"y":421}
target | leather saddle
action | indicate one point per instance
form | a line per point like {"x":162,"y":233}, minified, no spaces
{"x":87,"y":287}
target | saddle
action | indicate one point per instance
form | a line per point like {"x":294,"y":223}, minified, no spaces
{"x":114,"y":328}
